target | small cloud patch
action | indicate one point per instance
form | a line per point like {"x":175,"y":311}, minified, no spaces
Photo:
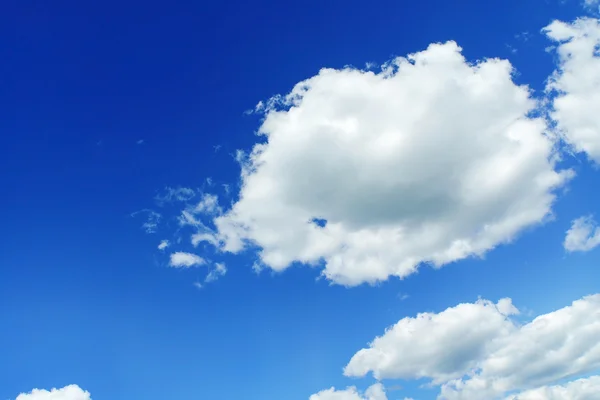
{"x":181,"y":259}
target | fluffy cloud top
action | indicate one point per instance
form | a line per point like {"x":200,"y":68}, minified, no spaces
{"x":71,"y":392}
{"x":481,"y":341}
{"x":577,"y":83}
{"x":439,"y":346}
{"x":374,"y":392}
{"x":432,"y":160}
{"x":581,"y":389}
{"x":583,"y":235}
{"x":185,"y":260}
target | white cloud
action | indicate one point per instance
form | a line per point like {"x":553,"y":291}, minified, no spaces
{"x":175,"y":194}
{"x":185,"y":260}
{"x":152,"y":220}
{"x":430,"y":161}
{"x":438,"y":346}
{"x":577,"y":84}
{"x":163,"y":244}
{"x":71,"y":392}
{"x":374,"y":392}
{"x":475,"y":351}
{"x":219,"y":270}
{"x":583,"y":235}
{"x":581,"y":389}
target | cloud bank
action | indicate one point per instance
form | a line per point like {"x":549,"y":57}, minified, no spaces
{"x":478,"y":351}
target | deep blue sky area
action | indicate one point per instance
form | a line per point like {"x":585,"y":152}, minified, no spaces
{"x":85,"y":296}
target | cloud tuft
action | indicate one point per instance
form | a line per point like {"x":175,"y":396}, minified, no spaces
{"x":185,"y":260}
{"x":583,"y":235}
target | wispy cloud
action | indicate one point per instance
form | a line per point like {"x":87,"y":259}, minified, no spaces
{"x":152,"y":220}
{"x":209,"y":204}
{"x":199,"y":285}
{"x":192,"y":216}
{"x":171,"y":194}
{"x":207,"y":237}
{"x":219,"y":270}
{"x":512,"y":49}
{"x":188,"y":218}
{"x":524,"y":36}
{"x":163,"y":244}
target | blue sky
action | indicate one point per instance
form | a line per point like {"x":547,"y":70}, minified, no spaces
{"x":107,"y":106}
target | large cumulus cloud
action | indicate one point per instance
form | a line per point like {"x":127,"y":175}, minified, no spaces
{"x":432,"y":160}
